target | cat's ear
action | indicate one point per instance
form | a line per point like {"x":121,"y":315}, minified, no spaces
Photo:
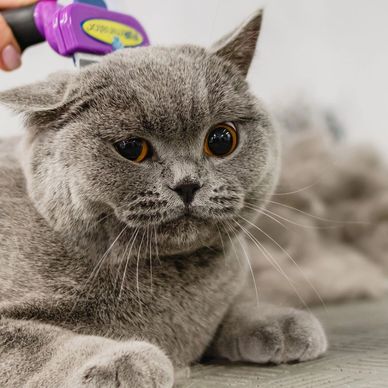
{"x":47,"y":95}
{"x":239,"y":46}
{"x":43,"y":104}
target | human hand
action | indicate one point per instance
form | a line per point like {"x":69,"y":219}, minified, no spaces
{"x":10,"y":53}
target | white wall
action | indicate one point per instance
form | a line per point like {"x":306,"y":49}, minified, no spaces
{"x":336,"y":51}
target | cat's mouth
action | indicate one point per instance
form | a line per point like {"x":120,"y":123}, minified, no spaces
{"x":193,"y":217}
{"x":186,"y":216}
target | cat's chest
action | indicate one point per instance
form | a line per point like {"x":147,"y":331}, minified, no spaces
{"x":180,"y":306}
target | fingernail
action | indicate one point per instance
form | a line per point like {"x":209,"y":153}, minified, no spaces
{"x":11,"y":57}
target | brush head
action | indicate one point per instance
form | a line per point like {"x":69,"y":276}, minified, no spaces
{"x":84,"y":59}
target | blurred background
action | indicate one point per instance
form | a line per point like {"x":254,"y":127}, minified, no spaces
{"x":332,"y":53}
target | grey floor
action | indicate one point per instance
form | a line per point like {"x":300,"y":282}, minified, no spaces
{"x":358,"y":356}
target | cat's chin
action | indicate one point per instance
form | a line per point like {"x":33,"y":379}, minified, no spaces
{"x":185,"y":219}
{"x":183,"y":224}
{"x":186,"y":232}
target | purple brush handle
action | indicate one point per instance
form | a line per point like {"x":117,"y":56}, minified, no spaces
{"x":86,"y":28}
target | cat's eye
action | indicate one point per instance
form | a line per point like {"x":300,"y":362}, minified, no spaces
{"x":221,"y":140}
{"x":136,"y":149}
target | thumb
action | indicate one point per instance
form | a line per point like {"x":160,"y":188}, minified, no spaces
{"x":10,"y":56}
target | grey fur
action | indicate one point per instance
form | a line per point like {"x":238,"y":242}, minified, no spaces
{"x":101,"y":282}
{"x":332,"y":201}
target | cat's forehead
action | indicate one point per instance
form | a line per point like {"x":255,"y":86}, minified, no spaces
{"x":160,"y":64}
{"x":167,"y":91}
{"x":170,"y":88}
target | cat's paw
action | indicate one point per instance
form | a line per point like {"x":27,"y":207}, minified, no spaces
{"x":285,"y":337}
{"x":133,"y":364}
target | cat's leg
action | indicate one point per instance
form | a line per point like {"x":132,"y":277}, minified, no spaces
{"x":39,"y":355}
{"x":268,"y":334}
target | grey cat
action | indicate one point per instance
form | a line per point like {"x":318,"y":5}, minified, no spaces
{"x":116,"y":208}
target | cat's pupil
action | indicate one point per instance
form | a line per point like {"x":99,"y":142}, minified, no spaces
{"x":220,"y":141}
{"x":132,"y":149}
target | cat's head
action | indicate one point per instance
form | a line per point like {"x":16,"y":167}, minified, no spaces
{"x":159,"y":137}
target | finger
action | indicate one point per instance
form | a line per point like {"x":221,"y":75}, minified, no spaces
{"x":6,"y":4}
{"x":10,"y":57}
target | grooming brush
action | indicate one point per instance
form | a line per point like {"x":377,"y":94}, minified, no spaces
{"x":85,"y":30}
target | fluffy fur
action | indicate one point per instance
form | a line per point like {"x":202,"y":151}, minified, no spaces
{"x":326,"y":224}
{"x":104,"y":278}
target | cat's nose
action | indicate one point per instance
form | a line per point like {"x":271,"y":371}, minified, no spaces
{"x":187,"y":191}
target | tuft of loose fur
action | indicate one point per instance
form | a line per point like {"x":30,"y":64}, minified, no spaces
{"x":326,"y":223}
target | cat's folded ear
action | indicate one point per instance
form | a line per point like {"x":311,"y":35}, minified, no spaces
{"x":41,"y":103}
{"x":239,"y":46}
{"x":46,"y":95}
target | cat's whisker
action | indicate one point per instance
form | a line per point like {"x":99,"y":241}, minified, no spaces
{"x":103,"y":218}
{"x":320,"y":218}
{"x":298,"y":190}
{"x":233,"y":245}
{"x":136,"y":232}
{"x":305,"y":226}
{"x":272,"y":261}
{"x":94,"y":273}
{"x":100,"y":262}
{"x":250,"y":267}
{"x":124,"y":256}
{"x":137,"y":273}
{"x":105,"y":255}
{"x":99,"y":221}
{"x":322,"y":174}
{"x":249,"y":206}
{"x":261,"y":210}
{"x":289,"y":257}
{"x":222,"y":242}
{"x":156,"y":244}
{"x":205,"y":245}
{"x":119,"y":267}
{"x":149,"y":238}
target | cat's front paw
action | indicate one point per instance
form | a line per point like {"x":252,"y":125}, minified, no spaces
{"x":133,"y":364}
{"x":284,"y":337}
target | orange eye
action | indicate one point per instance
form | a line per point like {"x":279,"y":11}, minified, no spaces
{"x":136,"y":149}
{"x":221,"y":140}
